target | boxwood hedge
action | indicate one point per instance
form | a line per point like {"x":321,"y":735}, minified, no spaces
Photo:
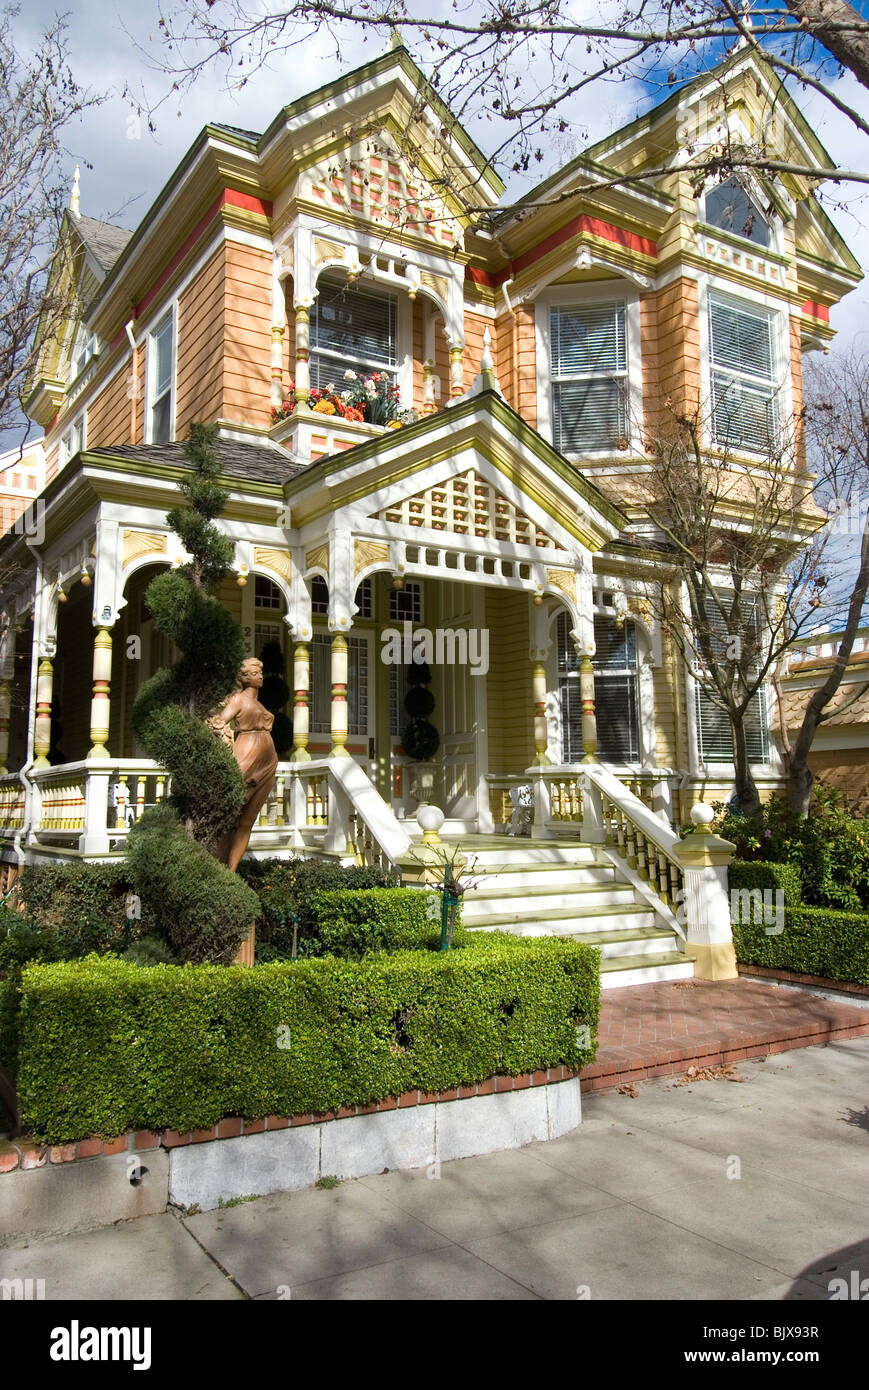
{"x":815,"y":941}
{"x":106,"y":1046}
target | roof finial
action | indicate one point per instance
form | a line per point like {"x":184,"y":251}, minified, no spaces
{"x":486,"y":363}
{"x":75,"y":195}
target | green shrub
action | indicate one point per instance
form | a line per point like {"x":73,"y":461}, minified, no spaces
{"x":195,"y":904}
{"x":288,"y":888}
{"x":21,"y":941}
{"x":815,"y":941}
{"x":86,"y":903}
{"x":766,"y":877}
{"x":830,"y":847}
{"x":106,"y":1046}
{"x":352,"y":923}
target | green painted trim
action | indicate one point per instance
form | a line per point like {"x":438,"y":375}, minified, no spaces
{"x":853,"y":265}
{"x":376,"y":68}
{"x":491,"y":401}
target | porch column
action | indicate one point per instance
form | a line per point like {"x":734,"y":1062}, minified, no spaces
{"x":301,"y":711}
{"x":100,"y":703}
{"x":277,"y":360}
{"x":303,"y":344}
{"x":589,"y":719}
{"x":42,"y":729}
{"x":541,"y":734}
{"x":457,"y":370}
{"x":339,"y":722}
{"x":5,"y":707}
{"x":7,"y":673}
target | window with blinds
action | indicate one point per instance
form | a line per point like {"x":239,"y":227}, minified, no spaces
{"x":351,"y":327}
{"x":616,"y":692}
{"x":589,"y":367}
{"x":743,"y":371}
{"x":321,"y":684}
{"x":714,"y":732}
{"x":729,"y":207}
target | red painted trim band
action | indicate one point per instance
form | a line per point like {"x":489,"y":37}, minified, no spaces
{"x":607,"y":231}
{"x":817,"y":311}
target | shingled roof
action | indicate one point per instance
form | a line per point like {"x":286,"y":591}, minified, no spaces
{"x":103,"y":239}
{"x":262,"y":463}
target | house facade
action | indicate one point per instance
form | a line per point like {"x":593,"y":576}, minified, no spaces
{"x":535,"y":351}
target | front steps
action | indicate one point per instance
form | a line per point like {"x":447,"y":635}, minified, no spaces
{"x":566,"y":888}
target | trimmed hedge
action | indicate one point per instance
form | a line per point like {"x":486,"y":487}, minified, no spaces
{"x":815,"y":941}
{"x":84,"y":903}
{"x":288,"y":888}
{"x":352,"y":923}
{"x":106,"y":1046}
{"x":748,"y":873}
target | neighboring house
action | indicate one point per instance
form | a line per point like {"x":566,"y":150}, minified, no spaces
{"x":22,"y":478}
{"x":537,"y":347}
{"x":839,"y":755}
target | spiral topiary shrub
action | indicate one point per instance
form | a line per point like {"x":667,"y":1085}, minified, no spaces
{"x":195,"y":903}
{"x":420,"y":739}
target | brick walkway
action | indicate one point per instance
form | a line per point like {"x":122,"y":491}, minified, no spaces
{"x":657,"y":1030}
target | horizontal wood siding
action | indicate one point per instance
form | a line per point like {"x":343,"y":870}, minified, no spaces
{"x":797,"y":387}
{"x":475,"y":326}
{"x":508,"y":683}
{"x":109,"y":418}
{"x":675,"y":374}
{"x":526,"y":365}
{"x":199,"y":372}
{"x":247,"y":320}
{"x":504,"y":354}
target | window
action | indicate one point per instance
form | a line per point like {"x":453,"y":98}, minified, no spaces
{"x":86,"y":347}
{"x":398,"y":688}
{"x":589,"y":377}
{"x":616,"y":694}
{"x":364,"y":599}
{"x":160,"y":369}
{"x":266,"y":593}
{"x":729,"y":207}
{"x":72,"y":441}
{"x":351,"y":328}
{"x":743,"y":371}
{"x":321,"y":684}
{"x":405,"y":605}
{"x":319,"y":596}
{"x":714,"y":733}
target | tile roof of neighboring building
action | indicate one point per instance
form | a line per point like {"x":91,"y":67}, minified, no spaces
{"x":104,"y":239}
{"x":795,"y":701}
{"x":263,"y":463}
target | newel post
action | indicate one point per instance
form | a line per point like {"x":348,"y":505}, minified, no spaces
{"x":706,"y":904}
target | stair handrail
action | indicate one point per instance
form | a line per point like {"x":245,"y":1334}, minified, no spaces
{"x":641,"y":838}
{"x":351,"y":789}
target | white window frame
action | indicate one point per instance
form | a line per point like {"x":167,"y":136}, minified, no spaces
{"x":402,"y":372}
{"x":598,"y":292}
{"x":68,"y":446}
{"x":719,"y":288}
{"x":171,"y":316}
{"x":753,"y":191}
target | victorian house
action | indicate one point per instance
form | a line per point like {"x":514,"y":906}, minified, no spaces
{"x":433,"y":410}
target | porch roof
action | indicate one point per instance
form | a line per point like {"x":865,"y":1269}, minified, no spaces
{"x":481,"y":422}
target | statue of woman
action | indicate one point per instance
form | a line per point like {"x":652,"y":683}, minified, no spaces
{"x":254,"y":752}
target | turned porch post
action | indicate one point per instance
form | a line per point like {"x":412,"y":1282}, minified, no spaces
{"x":301,"y":708}
{"x":339,"y":714}
{"x":100,"y":703}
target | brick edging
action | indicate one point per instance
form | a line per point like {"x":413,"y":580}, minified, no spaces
{"x":24,"y":1153}
{"x":793,"y":977}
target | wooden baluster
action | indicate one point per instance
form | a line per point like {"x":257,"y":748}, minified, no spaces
{"x":311,"y":803}
{"x":122,"y":792}
{"x":641,"y":855}
{"x":632,"y":844}
{"x":675,"y":884}
{"x":577,"y":800}
{"x":620,"y":832}
{"x":140,"y":795}
{"x":280,"y":794}
{"x":160,"y":789}
{"x":662,"y":878}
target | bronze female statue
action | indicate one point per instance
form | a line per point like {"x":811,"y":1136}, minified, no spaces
{"x":254,"y":752}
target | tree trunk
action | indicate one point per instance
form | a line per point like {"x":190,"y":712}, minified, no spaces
{"x":800,"y":775}
{"x":851,"y":48}
{"x":749,"y":800}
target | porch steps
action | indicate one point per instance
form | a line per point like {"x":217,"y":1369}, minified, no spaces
{"x":569,"y":889}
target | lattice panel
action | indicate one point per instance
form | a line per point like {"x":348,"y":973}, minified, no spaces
{"x":469,"y":506}
{"x":383,"y":190}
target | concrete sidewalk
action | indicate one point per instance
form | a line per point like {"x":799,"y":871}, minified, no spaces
{"x":711,"y":1190}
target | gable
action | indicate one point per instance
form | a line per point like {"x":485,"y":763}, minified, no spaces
{"x":468,"y":504}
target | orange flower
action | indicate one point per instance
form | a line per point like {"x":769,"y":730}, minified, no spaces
{"x":394,"y":425}
{"x":324,"y":408}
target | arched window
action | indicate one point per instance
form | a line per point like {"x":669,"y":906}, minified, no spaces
{"x":616,"y":692}
{"x":729,"y":207}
